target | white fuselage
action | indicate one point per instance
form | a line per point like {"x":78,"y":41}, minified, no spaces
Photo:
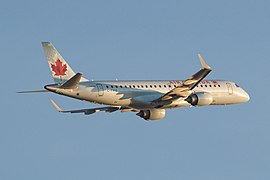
{"x":148,"y":99}
{"x":139,"y":94}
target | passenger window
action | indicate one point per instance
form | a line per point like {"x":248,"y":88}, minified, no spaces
{"x":218,"y":85}
{"x":205,"y":85}
{"x":141,"y":86}
{"x":134,"y":86}
{"x":146,"y":86}
{"x":107,"y":87}
{"x":215,"y":86}
{"x":150,"y":86}
{"x":201,"y":85}
{"x":138,"y":86}
{"x":116,"y":86}
{"x":155,"y":86}
{"x":175,"y":86}
{"x":210,"y":85}
{"x":121,"y":86}
{"x":160,"y":86}
{"x":170,"y":86}
{"x":125,"y":86}
{"x":111,"y":86}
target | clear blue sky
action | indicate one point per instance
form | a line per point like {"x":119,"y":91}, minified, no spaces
{"x":147,"y":39}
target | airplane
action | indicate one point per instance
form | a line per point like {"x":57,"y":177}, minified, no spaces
{"x":148,"y":99}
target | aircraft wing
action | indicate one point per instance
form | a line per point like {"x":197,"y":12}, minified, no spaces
{"x":184,"y":88}
{"x":93,"y":110}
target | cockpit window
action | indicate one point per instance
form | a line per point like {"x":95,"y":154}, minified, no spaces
{"x":237,"y":85}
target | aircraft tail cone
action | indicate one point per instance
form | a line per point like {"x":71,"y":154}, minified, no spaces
{"x":50,"y":88}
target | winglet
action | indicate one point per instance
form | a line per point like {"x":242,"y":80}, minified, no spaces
{"x":204,"y":65}
{"x":56,"y":106}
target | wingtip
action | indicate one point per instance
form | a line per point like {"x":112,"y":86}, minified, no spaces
{"x":56,"y":106}
{"x":204,"y":65}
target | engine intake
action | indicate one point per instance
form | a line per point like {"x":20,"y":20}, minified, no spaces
{"x":153,"y":114}
{"x":200,"y":99}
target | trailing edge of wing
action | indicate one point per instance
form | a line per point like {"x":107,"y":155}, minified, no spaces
{"x":89,"y":111}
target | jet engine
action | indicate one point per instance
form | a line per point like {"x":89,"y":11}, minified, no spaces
{"x":153,"y":114}
{"x":200,"y":99}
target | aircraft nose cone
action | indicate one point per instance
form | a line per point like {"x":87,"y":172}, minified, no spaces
{"x":245,"y":96}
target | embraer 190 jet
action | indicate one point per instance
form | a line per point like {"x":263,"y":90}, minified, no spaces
{"x":148,"y":99}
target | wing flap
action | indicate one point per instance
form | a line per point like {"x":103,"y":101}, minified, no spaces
{"x":89,"y":111}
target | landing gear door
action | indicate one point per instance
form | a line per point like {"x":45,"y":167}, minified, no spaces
{"x":100,"y":90}
{"x":230,"y":88}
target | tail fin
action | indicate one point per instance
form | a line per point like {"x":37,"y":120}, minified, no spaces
{"x":60,"y":69}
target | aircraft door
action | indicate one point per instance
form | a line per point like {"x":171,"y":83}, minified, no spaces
{"x":100,"y":90}
{"x":230,"y":88}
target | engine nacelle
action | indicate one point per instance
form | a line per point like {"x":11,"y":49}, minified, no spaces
{"x":200,"y":99}
{"x":153,"y":114}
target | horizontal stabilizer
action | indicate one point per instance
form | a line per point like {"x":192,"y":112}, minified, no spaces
{"x":34,"y":91}
{"x":72,"y":83}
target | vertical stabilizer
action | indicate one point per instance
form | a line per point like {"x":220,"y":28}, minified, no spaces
{"x":60,"y":69}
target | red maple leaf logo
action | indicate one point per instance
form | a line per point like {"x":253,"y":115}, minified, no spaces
{"x":58,"y":68}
